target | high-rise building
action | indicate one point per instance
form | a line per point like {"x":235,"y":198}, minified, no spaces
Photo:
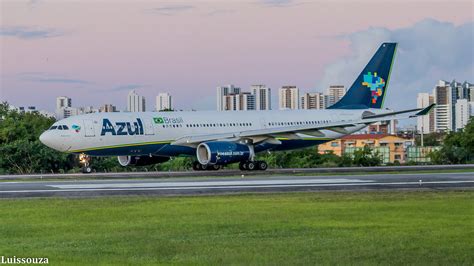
{"x":63,"y":101}
{"x":463,"y":113}
{"x":262,"y":96}
{"x":64,"y":107}
{"x":66,"y":112}
{"x":335,"y":93}
{"x":135,"y":102}
{"x":425,"y":123}
{"x":443,"y":116}
{"x":239,"y":102}
{"x":469,"y":91}
{"x":107,"y":108}
{"x":446,"y":112}
{"x":314,"y":100}
{"x":163,"y":102}
{"x":223,"y":91}
{"x":289,"y":96}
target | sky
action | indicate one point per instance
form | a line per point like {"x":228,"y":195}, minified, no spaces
{"x":97,"y":51}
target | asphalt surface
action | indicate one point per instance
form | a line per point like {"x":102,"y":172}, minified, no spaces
{"x":230,"y":172}
{"x":254,"y":184}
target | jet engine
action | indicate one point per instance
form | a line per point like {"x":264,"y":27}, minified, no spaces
{"x":141,"y":160}
{"x":223,"y":152}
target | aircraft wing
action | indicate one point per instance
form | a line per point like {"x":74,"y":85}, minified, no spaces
{"x":270,"y":134}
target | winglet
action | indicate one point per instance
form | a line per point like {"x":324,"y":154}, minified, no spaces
{"x":425,"y":111}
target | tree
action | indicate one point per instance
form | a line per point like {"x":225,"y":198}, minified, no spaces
{"x":366,"y":157}
{"x":457,"y":148}
{"x":20,"y":149}
{"x":432,"y":139}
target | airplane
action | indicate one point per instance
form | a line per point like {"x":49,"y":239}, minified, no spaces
{"x":219,"y":138}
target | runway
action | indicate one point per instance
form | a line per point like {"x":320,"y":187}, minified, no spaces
{"x":254,"y":184}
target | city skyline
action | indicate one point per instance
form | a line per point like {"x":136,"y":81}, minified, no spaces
{"x":100,"y":60}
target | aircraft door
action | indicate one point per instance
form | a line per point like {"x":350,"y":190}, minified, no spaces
{"x":89,"y":128}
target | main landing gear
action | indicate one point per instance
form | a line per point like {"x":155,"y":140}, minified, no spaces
{"x":253,"y":165}
{"x":85,"y":159}
{"x":205,"y":167}
{"x":243,"y":166}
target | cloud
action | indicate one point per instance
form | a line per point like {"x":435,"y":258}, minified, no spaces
{"x":220,"y":12}
{"x":50,"y":78}
{"x":128,"y":87}
{"x":427,"y":51}
{"x":29,"y":33}
{"x":171,"y":10}
{"x":278,"y":3}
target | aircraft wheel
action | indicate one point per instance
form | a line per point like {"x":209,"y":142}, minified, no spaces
{"x":197,"y":166}
{"x":215,"y":167}
{"x":251,"y":166}
{"x":86,"y":169}
{"x":262,"y":165}
{"x":242,"y":166}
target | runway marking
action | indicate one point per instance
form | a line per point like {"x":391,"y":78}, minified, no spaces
{"x":212,"y":183}
{"x":238,"y":187}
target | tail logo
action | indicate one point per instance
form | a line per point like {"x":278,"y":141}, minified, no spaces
{"x":375,"y":84}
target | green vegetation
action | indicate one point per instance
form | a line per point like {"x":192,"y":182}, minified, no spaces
{"x":457,"y":148}
{"x":270,"y":229}
{"x":20,"y":149}
{"x":432,"y":139}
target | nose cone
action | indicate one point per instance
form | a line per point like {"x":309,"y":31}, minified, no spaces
{"x":47,"y":139}
{"x":50,"y":139}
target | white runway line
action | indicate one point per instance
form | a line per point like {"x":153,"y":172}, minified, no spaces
{"x":211,"y":183}
{"x":415,"y":183}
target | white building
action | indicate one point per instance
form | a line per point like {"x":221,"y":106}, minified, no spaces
{"x":31,"y":109}
{"x":288,"y":97}
{"x":163,"y":102}
{"x":463,"y":113}
{"x":64,"y":107}
{"x":66,"y":112}
{"x":223,"y":91}
{"x":239,"y":102}
{"x":108,"y":108}
{"x":443,"y":116}
{"x":63,"y":101}
{"x":315,"y":100}
{"x":425,"y":123}
{"x":262,"y":97}
{"x":135,"y":102}
{"x":335,"y":93}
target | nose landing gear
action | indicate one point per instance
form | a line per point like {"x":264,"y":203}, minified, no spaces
{"x":85,"y":159}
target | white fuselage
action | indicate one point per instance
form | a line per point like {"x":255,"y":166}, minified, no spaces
{"x":125,"y":133}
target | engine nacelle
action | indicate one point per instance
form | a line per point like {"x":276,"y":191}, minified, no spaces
{"x":222,"y":152}
{"x":140,"y":160}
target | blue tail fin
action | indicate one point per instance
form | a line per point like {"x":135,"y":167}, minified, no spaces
{"x":369,"y":89}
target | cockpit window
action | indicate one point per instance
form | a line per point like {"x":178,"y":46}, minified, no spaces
{"x":60,"y":127}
